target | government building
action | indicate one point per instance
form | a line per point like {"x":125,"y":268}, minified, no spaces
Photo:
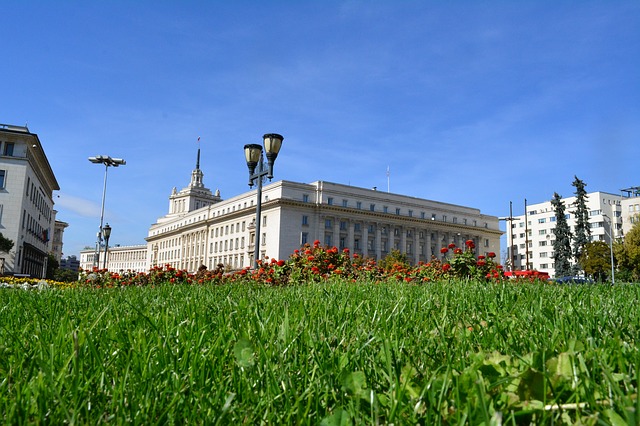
{"x":203,"y":229}
{"x":27,"y":216}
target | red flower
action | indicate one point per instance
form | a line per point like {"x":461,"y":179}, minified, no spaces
{"x":452,"y":246}
{"x":443,"y":250}
{"x":446,"y":267}
{"x":310,"y":258}
{"x":458,"y":251}
{"x":481,"y":263}
{"x":480,"y":257}
{"x":280,"y":262}
{"x":345,"y":251}
{"x":491,"y":255}
{"x":470,"y":244}
{"x":316,"y":243}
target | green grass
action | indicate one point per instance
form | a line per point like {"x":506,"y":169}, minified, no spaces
{"x":447,"y":353}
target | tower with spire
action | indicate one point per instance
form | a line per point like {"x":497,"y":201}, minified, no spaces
{"x":193,"y":197}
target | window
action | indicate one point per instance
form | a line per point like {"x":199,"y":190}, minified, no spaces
{"x":542,"y":232}
{"x":305,"y":198}
{"x":543,"y":254}
{"x":358,"y":205}
{"x":8,"y":149}
{"x":385,"y":209}
{"x":542,"y":220}
{"x":444,"y":218}
{"x":264,"y":222}
{"x":3,"y":176}
{"x":371,"y":230}
{"x":410,"y":213}
{"x":433,"y":216}
{"x":422,"y":215}
{"x":330,"y":201}
{"x":304,"y":238}
{"x":345,"y":203}
{"x":327,"y":223}
{"x":327,"y":240}
{"x":372,"y":207}
{"x":305,"y":220}
{"x":357,"y":227}
{"x":398,"y":210}
{"x":455,"y":220}
{"x":343,"y":225}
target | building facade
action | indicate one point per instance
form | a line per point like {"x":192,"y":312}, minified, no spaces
{"x":118,"y":258}
{"x":27,"y":217}
{"x":531,"y":238}
{"x":202,"y":229}
{"x":56,"y":244}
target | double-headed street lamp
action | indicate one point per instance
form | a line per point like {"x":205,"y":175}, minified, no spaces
{"x":108,"y":162}
{"x":257,"y":172}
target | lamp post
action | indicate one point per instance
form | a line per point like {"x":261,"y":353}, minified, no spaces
{"x":108,"y":162}
{"x":106,"y":231}
{"x":257,"y":172}
{"x":613,"y":273}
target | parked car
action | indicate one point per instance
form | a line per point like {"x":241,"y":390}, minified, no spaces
{"x":573,"y":280}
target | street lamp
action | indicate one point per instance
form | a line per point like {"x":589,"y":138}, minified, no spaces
{"x":106,"y":230}
{"x":613,"y":273}
{"x":257,"y":172}
{"x":108,"y":162}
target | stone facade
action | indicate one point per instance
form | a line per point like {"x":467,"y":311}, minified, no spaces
{"x":27,"y":217}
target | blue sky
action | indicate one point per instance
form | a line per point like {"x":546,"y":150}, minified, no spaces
{"x":472,"y":103}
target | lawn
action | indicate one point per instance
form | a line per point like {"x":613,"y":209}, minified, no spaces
{"x":336,"y":353}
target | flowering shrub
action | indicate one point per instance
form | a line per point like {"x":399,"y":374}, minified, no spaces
{"x":316,"y":264}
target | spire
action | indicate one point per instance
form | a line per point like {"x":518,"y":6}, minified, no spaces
{"x":198,"y":160}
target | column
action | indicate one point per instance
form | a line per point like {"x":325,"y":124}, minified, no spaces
{"x":416,"y":246}
{"x":350,"y":236}
{"x":427,"y":245}
{"x":403,"y":240}
{"x":378,"y":242}
{"x":336,"y":232}
{"x":365,"y":239}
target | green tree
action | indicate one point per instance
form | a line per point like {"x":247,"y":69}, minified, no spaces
{"x":562,"y":244}
{"x":628,"y":254}
{"x":581,"y":231}
{"x":5,"y":244}
{"x":52,"y":266}
{"x":596,"y":260}
{"x":394,"y":257}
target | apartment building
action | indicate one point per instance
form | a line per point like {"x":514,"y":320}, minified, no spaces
{"x":27,"y":217}
{"x":531,"y":238}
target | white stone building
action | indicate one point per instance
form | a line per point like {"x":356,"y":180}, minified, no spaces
{"x":27,"y":217}
{"x":531,"y":235}
{"x":119,"y":258}
{"x":203,"y":229}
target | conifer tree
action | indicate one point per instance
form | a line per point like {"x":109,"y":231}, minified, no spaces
{"x":562,"y":244}
{"x":581,"y":231}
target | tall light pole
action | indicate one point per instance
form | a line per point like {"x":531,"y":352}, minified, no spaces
{"x":108,"y":162}
{"x":257,"y":172}
{"x":613,"y":272}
